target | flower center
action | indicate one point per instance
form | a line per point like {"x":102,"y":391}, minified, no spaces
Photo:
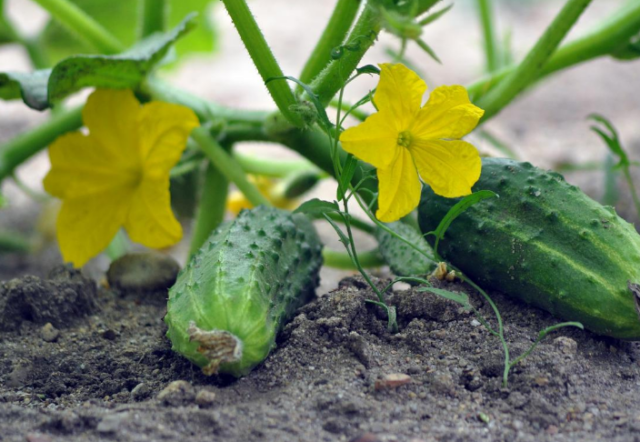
{"x":404,"y":139}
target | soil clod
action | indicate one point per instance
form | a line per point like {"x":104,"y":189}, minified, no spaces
{"x":143,"y":272}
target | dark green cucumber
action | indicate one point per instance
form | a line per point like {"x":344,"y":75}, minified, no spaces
{"x":402,"y":259}
{"x":242,"y":286}
{"x":547,"y":243}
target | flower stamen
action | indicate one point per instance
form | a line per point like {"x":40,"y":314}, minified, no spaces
{"x":404,"y":139}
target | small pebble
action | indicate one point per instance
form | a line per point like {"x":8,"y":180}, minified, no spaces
{"x":49,"y":333}
{"x":205,"y":398}
{"x":393,"y":380}
{"x":143,"y":272}
{"x":37,"y":437}
{"x":366,"y":437}
{"x":566,"y":345}
{"x":140,"y":392}
{"x":475,"y":323}
{"x":177,"y":393}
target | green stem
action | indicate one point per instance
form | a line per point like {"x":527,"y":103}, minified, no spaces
{"x":530,"y":68}
{"x":632,"y":188}
{"x":21,"y":148}
{"x":355,"y":113}
{"x":486,"y":19}
{"x":270,"y":167}
{"x":227,"y":166}
{"x":210,"y":208}
{"x":205,"y":110}
{"x":616,"y":31}
{"x":13,"y":243}
{"x":263,"y":58}
{"x":342,"y":260}
{"x":35,"y":52}
{"x":358,"y":223}
{"x":119,"y":246}
{"x":334,"y":34}
{"x":82,"y":25}
{"x":154,"y":17}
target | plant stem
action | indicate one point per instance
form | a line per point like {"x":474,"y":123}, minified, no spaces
{"x":486,"y":20}
{"x":270,"y":167}
{"x":530,"y":68}
{"x":21,"y":148}
{"x":263,"y":58}
{"x":154,"y":17}
{"x":210,"y":208}
{"x":616,"y":31}
{"x":13,"y":243}
{"x":342,"y":260}
{"x":632,"y":188}
{"x":334,"y":34}
{"x":82,"y":25}
{"x":228,"y":166}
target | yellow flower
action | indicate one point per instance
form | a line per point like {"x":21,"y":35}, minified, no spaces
{"x":118,"y":174}
{"x":267,"y":187}
{"x":404,"y":139}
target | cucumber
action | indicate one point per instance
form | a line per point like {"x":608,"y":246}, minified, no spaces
{"x":242,"y":286}
{"x":402,"y":259}
{"x":547,"y":243}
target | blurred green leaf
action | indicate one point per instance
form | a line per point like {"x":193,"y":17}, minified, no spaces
{"x":121,"y":18}
{"x":40,"y":89}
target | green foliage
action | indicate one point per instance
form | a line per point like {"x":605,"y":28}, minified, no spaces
{"x":121,"y":18}
{"x":44,"y":88}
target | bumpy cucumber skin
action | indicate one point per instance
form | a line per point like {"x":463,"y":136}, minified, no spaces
{"x":402,"y":259}
{"x":248,"y":278}
{"x":547,"y":243}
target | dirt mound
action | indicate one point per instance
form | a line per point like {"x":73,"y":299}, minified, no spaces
{"x":337,"y":374}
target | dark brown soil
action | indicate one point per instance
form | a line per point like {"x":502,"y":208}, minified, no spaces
{"x":101,"y":378}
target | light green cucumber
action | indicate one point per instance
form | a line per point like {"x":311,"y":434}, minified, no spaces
{"x":242,"y":286}
{"x":402,"y":259}
{"x":547,"y":243}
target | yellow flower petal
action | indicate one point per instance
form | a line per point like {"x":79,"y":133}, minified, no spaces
{"x":112,"y":119}
{"x":374,"y":140}
{"x":399,"y":93}
{"x":451,"y":168}
{"x":151,"y":221}
{"x":87,"y":225}
{"x":447,"y":114}
{"x":399,"y":189}
{"x":81,"y":166}
{"x":164,"y":129}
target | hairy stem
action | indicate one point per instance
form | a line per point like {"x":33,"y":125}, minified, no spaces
{"x":82,"y":25}
{"x":263,"y":59}
{"x":334,"y":34}
{"x":210,"y":208}
{"x":530,"y":68}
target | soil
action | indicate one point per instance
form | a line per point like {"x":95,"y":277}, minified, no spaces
{"x":105,"y":371}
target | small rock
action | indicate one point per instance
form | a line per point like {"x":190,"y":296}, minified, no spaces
{"x":552,"y":430}
{"x":393,"y":380}
{"x":566,"y":345}
{"x":177,"y":393}
{"x":140,"y":392}
{"x":541,"y":381}
{"x":37,"y":437}
{"x":205,"y":398}
{"x":143,"y":272}
{"x":365,"y":437}
{"x":475,"y":323}
{"x":49,"y":333}
{"x":112,"y":423}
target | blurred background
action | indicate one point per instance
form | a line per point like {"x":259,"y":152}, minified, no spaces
{"x":546,"y":126}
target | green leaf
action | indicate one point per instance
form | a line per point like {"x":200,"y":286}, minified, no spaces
{"x":348,"y":170}
{"x":44,"y":88}
{"x":611,"y":140}
{"x":459,"y":209}
{"x":121,"y":18}
{"x":368,"y":69}
{"x":316,"y":207}
{"x":30,"y":87}
{"x":460,"y":298}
